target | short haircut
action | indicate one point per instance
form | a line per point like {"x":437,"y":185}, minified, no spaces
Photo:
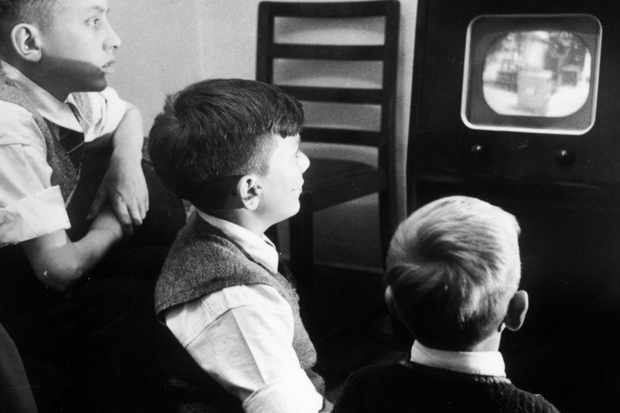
{"x":13,"y":12}
{"x":453,"y":267}
{"x":218,"y":129}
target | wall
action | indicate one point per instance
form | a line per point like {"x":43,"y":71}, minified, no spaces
{"x":161,"y":51}
{"x":170,"y":43}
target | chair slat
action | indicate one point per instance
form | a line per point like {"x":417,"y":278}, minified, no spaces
{"x":327,"y":52}
{"x":330,"y":10}
{"x":343,"y":136}
{"x":348,"y":183}
{"x":341,"y":95}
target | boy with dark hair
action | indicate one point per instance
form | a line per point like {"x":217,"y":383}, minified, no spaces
{"x":62,"y":214}
{"x":49,"y":51}
{"x":453,"y":272}
{"x":231,"y":148}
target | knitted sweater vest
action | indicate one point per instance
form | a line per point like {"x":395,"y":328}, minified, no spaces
{"x":64,"y":173}
{"x":17,"y":272}
{"x":202,"y":260}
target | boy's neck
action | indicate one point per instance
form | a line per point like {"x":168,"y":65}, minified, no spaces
{"x":241,"y":217}
{"x":42,"y":79}
{"x":490,"y":343}
{"x":54,"y":88}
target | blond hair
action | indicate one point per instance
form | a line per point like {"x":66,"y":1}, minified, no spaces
{"x":452,"y":267}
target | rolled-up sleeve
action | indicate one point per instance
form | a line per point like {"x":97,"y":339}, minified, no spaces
{"x":29,"y":205}
{"x":292,"y":393}
{"x":243,"y":337}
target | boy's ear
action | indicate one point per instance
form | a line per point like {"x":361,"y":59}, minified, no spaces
{"x":388,"y":297}
{"x":26,"y":40}
{"x":517,"y":309}
{"x":249,"y":191}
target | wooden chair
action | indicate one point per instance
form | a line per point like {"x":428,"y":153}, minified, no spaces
{"x":329,"y":182}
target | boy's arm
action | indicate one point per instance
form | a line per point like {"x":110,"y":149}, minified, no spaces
{"x":124,"y":185}
{"x":243,"y":337}
{"x":32,"y":210}
{"x":58,"y":262}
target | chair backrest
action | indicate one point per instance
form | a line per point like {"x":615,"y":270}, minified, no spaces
{"x":383,"y":96}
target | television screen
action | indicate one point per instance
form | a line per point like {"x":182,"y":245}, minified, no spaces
{"x":531,"y":73}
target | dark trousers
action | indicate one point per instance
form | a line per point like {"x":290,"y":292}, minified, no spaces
{"x":15,"y":392}
{"x":85,"y":350}
{"x":98,"y":347}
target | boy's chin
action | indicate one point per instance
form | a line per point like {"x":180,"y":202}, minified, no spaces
{"x":95,"y":82}
{"x":286,"y":215}
{"x":100,"y":85}
{"x":294,"y":211}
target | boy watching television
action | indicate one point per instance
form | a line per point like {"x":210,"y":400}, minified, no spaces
{"x":55,"y":101}
{"x":453,"y":271}
{"x":231,"y":148}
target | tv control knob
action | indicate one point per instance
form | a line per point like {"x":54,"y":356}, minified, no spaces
{"x":476,"y":148}
{"x":564,"y":157}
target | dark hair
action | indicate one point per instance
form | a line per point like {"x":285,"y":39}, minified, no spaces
{"x":10,"y":9}
{"x":217,"y":129}
{"x":452,"y":267}
{"x":13,"y":12}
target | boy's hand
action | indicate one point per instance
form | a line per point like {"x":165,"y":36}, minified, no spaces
{"x":107,"y":221}
{"x":124,"y":186}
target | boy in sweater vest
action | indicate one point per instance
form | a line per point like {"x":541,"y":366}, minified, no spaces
{"x":453,"y":272}
{"x":231,"y":148}
{"x":58,"y":223}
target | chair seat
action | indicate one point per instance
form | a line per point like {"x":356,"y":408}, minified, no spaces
{"x":329,"y":182}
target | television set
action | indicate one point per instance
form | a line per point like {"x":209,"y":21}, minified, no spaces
{"x":532,"y":73}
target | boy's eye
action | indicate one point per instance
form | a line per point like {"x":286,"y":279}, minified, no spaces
{"x":94,"y":21}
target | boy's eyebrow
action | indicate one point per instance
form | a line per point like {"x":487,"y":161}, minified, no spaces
{"x":99,"y":9}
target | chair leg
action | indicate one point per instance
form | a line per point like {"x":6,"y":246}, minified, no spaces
{"x":386,"y":224}
{"x":302,"y":247}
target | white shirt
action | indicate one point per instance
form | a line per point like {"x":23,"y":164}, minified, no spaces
{"x":29,"y":205}
{"x":243,"y":337}
{"x":488,"y":363}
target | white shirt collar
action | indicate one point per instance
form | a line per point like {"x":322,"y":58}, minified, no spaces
{"x":47,"y":105}
{"x":258,"y":247}
{"x":487,"y":363}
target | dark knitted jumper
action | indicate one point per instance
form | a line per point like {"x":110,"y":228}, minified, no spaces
{"x":203,"y":260}
{"x":410,"y":387}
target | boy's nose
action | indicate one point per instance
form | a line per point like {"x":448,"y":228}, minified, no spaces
{"x":112,"y":41}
